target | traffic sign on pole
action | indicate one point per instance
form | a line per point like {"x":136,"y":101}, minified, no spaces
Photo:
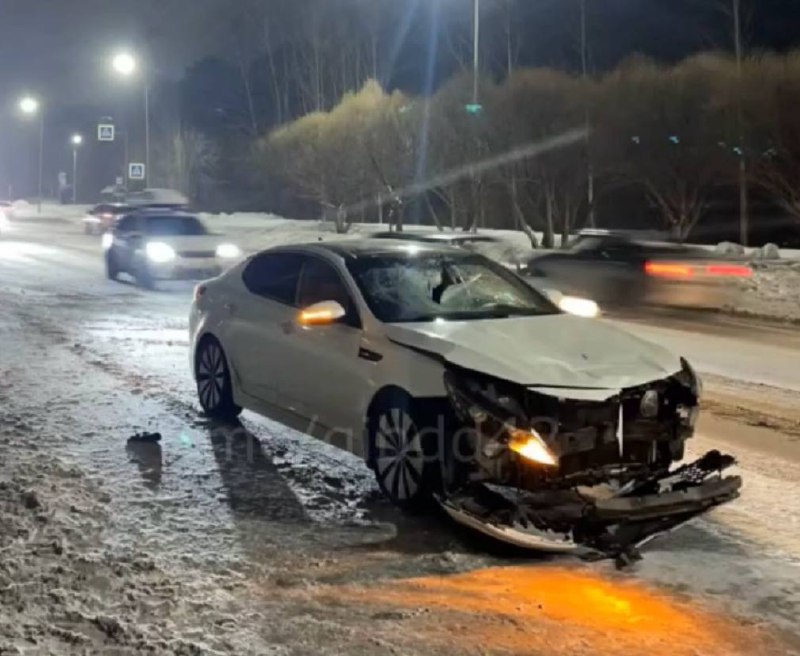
{"x":105,"y":132}
{"x":136,"y":171}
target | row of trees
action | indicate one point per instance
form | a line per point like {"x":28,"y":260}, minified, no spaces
{"x":526,"y":159}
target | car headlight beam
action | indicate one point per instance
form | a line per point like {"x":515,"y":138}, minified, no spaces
{"x":580,"y":307}
{"x":159,"y":253}
{"x":228,"y":251}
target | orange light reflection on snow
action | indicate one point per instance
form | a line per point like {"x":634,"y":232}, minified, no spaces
{"x":538,"y":610}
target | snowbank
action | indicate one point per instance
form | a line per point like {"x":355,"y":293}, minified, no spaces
{"x":773,"y":291}
{"x":23,"y":210}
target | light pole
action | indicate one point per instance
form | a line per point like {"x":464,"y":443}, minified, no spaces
{"x":744,"y":210}
{"x":587,"y":120}
{"x":476,"y":31}
{"x":125,"y":64}
{"x":30,"y":107}
{"x":76,"y":141}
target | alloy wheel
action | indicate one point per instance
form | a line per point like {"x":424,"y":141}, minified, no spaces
{"x":211,"y":377}
{"x":399,"y":460}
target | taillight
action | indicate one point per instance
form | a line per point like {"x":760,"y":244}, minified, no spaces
{"x":731,"y":270}
{"x":670,"y":270}
{"x":199,"y":292}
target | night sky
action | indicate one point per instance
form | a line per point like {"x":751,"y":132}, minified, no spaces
{"x":59,"y":49}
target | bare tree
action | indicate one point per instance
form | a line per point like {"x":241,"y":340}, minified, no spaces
{"x":189,"y":163}
{"x":531,"y":106}
{"x":771,"y":96}
{"x":660,"y":128}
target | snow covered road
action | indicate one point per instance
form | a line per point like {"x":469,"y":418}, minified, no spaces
{"x":254,"y":539}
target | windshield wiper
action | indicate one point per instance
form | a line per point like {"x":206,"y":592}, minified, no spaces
{"x":507,"y":310}
{"x":499,"y":311}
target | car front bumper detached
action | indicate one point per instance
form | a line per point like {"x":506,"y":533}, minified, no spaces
{"x":605,"y":526}
{"x":599,"y":477}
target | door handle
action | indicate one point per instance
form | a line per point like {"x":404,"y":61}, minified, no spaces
{"x":230,"y":308}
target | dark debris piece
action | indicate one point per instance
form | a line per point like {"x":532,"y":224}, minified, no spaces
{"x":145,"y":437}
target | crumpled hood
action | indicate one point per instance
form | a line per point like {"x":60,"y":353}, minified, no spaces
{"x":551,"y":352}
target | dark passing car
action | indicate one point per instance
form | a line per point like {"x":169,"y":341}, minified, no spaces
{"x":619,"y":269}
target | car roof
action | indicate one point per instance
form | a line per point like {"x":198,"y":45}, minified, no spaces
{"x":444,"y":237}
{"x":356,"y":248}
{"x":162,"y":212}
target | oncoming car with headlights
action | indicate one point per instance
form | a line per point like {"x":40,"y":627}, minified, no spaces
{"x":461,"y":385}
{"x":158,"y":244}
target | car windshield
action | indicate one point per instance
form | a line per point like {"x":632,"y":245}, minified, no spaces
{"x":172,"y":226}
{"x":404,"y":287}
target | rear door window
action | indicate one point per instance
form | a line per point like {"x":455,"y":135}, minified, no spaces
{"x":274,"y":276}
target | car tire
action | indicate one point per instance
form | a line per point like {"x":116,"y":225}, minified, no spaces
{"x":402,"y":453}
{"x":112,"y":270}
{"x":214,"y":384}
{"x":144,"y":278}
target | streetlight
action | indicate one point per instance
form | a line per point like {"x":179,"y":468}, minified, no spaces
{"x":76,"y":140}
{"x":29,"y":106}
{"x":474,"y":106}
{"x":125,"y":64}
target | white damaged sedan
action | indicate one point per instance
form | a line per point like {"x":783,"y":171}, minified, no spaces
{"x":460,"y":384}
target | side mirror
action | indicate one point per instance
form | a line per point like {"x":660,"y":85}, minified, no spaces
{"x":323,"y":313}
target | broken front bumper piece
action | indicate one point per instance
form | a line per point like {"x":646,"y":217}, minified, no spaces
{"x":596,"y":523}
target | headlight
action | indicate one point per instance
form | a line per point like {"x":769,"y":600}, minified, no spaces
{"x":530,"y":445}
{"x":106,"y":240}
{"x":228,"y":251}
{"x":581,"y":307}
{"x":159,"y":252}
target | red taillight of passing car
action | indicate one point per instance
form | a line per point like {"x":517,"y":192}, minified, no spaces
{"x":107,"y":216}
{"x":199,"y":292}
{"x":669,"y":270}
{"x":729,"y":270}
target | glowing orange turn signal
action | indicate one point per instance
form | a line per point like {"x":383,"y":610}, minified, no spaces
{"x":671,"y":270}
{"x":316,"y":318}
{"x":323,"y":313}
{"x":530,"y":446}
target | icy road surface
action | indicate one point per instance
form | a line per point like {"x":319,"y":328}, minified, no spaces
{"x":257,"y":540}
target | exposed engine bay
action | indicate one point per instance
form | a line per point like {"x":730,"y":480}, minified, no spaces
{"x":587,"y":470}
